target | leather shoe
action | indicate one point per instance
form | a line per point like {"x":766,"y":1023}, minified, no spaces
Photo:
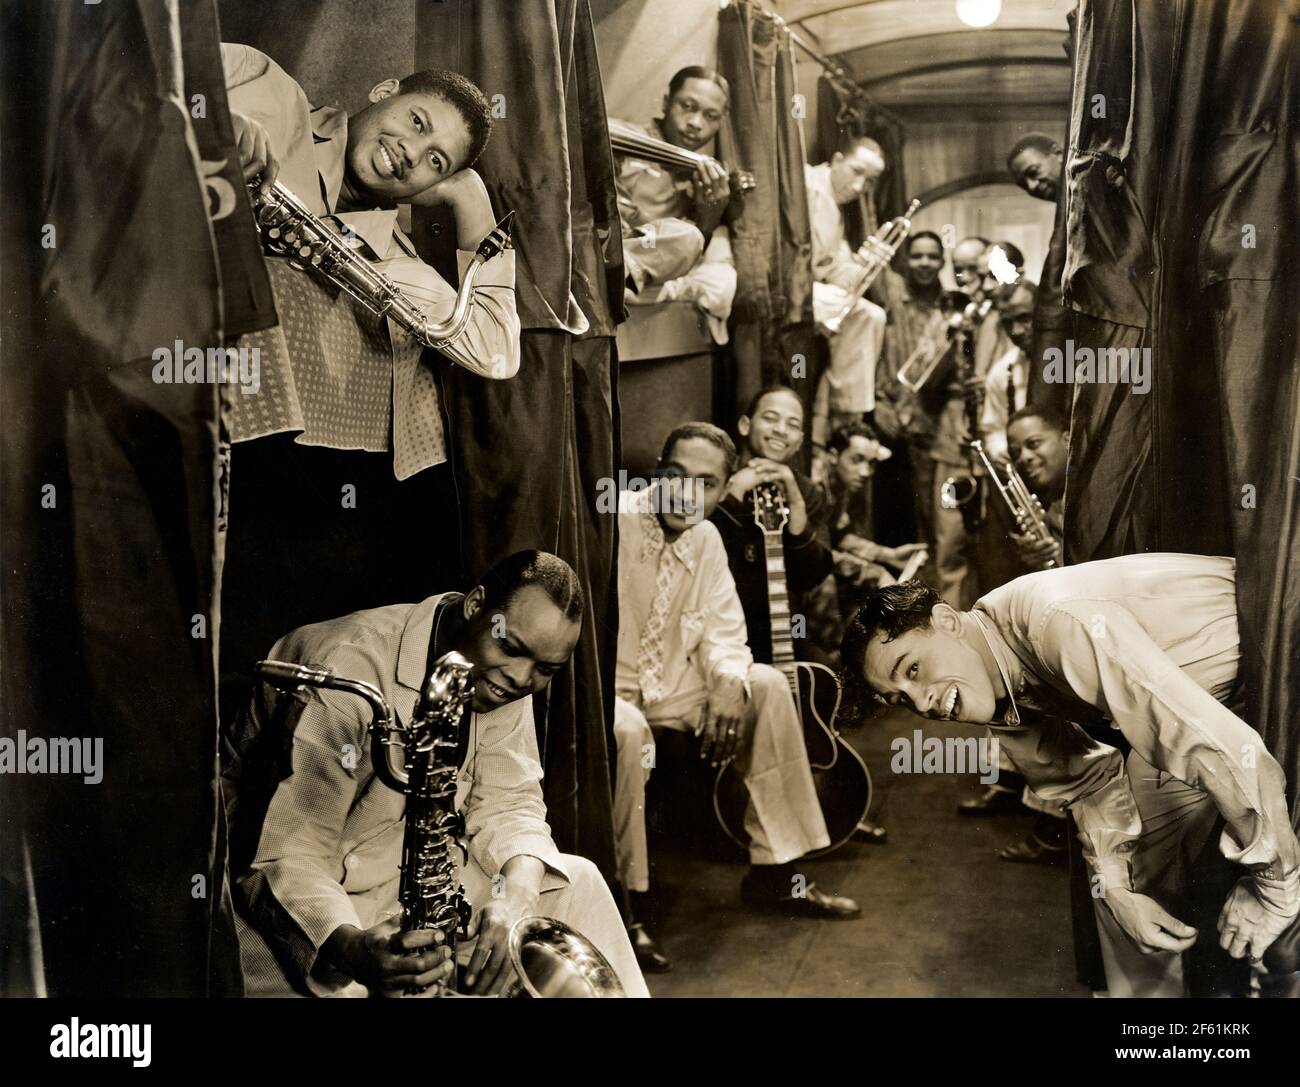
{"x":648,"y":956}
{"x":814,"y":902}
{"x":870,"y":833}
{"x":995,"y":800}
{"x":1032,"y":851}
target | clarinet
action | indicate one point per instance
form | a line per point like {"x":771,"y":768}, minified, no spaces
{"x":419,"y":760}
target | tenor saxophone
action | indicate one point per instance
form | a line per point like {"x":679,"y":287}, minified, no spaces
{"x":418,"y":758}
{"x":290,"y":229}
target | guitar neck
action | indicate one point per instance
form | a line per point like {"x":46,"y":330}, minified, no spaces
{"x":778,"y":605}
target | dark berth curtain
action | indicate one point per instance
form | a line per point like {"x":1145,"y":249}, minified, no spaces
{"x":843,"y":116}
{"x":1184,"y":204}
{"x":528,"y":453}
{"x":128,"y":873}
{"x":771,"y":237}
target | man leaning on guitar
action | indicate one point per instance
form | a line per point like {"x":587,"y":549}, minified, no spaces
{"x":774,"y":572}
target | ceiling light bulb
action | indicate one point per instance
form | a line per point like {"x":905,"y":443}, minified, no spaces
{"x":979,"y":13}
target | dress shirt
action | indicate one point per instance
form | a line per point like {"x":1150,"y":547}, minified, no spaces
{"x":310,"y":144}
{"x":832,"y":259}
{"x":1150,"y":642}
{"x":328,"y":849}
{"x":705,"y":621}
{"x":993,"y":420}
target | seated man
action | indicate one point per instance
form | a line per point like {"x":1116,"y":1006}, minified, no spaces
{"x":413,"y":144}
{"x":316,"y":838}
{"x":683,"y":664}
{"x":860,"y":563}
{"x":673,"y":233}
{"x":849,"y":385}
{"x":1149,"y":642}
{"x":771,"y":432}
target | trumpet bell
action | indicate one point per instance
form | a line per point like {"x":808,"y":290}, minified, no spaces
{"x":553,"y":960}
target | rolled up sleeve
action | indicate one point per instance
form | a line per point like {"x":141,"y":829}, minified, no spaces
{"x":724,"y":645}
{"x":505,"y":815}
{"x":491,"y":339}
{"x":1110,"y":661}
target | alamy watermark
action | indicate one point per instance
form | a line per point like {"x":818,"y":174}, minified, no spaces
{"x":921,"y":754}
{"x":1100,"y":366}
{"x":181,"y":365}
{"x":669,"y":493}
{"x":25,"y":754}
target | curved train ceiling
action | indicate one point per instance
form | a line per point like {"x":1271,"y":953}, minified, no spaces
{"x":920,"y":60}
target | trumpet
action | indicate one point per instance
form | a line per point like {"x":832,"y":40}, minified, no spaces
{"x":1025,"y":508}
{"x":874,"y":255}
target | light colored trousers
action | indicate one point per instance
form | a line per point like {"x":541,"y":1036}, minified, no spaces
{"x":1176,"y":822}
{"x":584,"y":904}
{"x":783,"y":817}
{"x":850,"y":383}
{"x":662,"y":249}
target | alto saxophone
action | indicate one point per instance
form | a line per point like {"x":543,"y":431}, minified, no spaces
{"x":290,"y":229}
{"x":418,"y":758}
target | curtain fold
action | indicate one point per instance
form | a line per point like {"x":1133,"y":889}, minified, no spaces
{"x":771,"y":237}
{"x":1184,"y":199}
{"x":842,"y":117}
{"x":528,"y":452}
{"x":128,"y":872}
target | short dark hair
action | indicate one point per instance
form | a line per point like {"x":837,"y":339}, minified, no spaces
{"x":463,"y":96}
{"x":550,"y":573}
{"x":1014,"y":255}
{"x":891,"y":610}
{"x":916,"y":237}
{"x":710,"y":433}
{"x":698,"y":71}
{"x":846,"y":432}
{"x":1039,"y":141}
{"x":1050,"y":416}
{"x":766,"y":391}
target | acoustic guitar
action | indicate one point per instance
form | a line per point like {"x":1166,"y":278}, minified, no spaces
{"x":840,"y":777}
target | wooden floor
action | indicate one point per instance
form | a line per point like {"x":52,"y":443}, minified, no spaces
{"x":942,"y":916}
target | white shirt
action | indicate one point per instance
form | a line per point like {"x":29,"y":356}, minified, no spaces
{"x":993,"y":419}
{"x":1151,"y":642}
{"x":705,"y":621}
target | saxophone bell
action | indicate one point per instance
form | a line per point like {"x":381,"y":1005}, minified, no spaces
{"x":553,"y":960}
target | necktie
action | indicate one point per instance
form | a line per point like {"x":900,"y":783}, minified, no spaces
{"x":650,"y":653}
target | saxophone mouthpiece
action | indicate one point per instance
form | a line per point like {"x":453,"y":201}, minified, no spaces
{"x":287,"y":676}
{"x":497,"y":241}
